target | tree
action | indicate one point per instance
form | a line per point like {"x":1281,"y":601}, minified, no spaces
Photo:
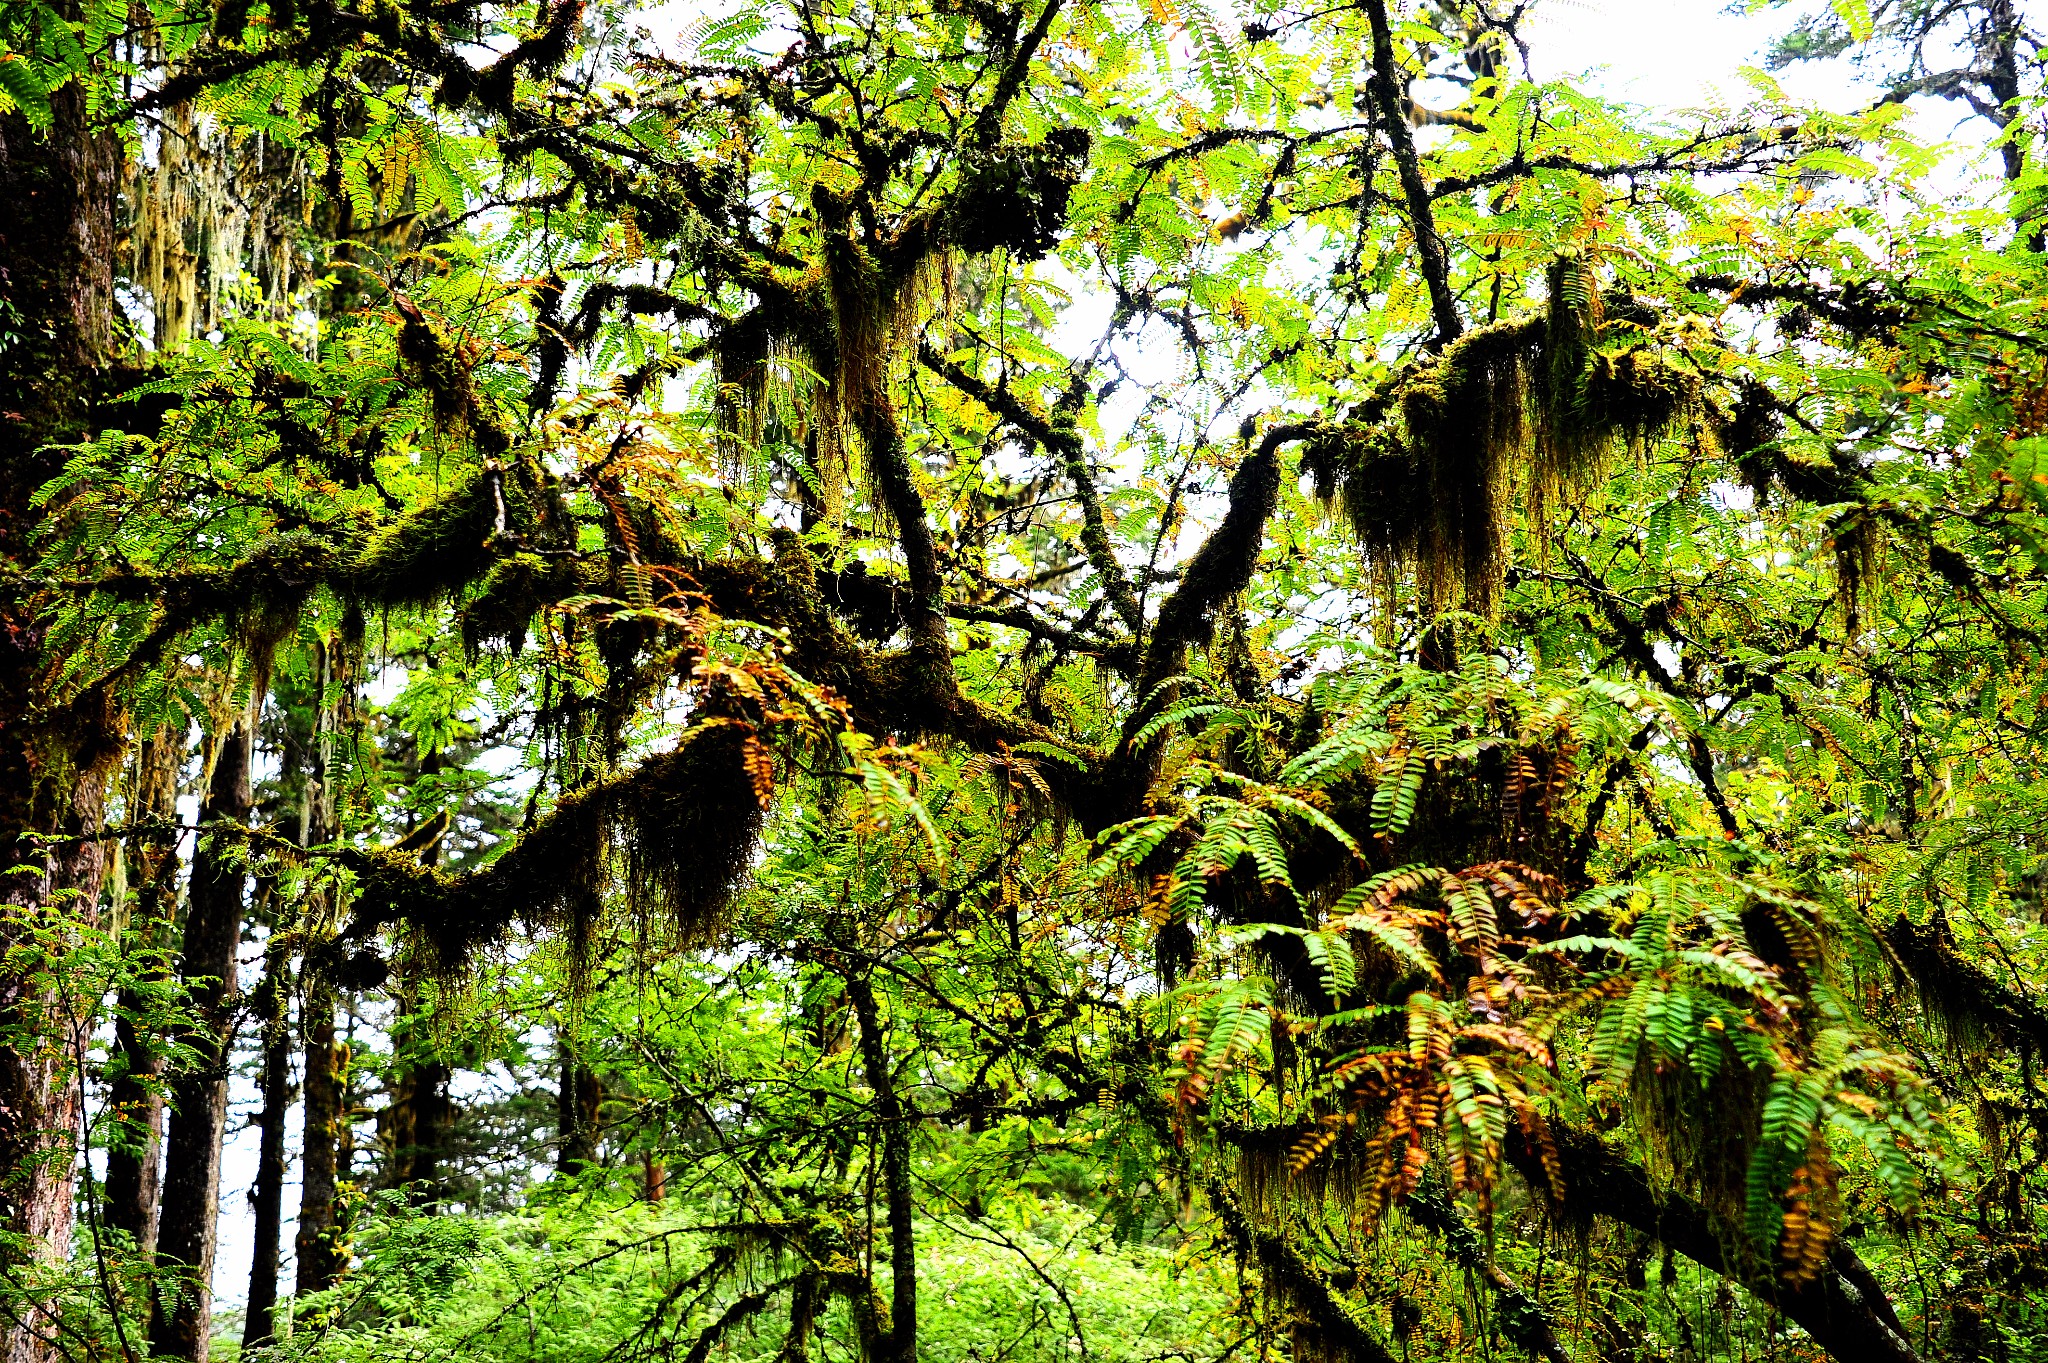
{"x":1089,"y":610}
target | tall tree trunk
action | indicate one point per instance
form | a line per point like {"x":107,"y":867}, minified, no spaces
{"x":420,"y":1117}
{"x":317,"y":1244}
{"x":134,"y":1161}
{"x":417,"y":1121}
{"x":318,"y":1250}
{"x":899,"y":1342}
{"x":57,"y":198}
{"x":432,"y":1125}
{"x":267,"y":1197}
{"x":577,"y":1101}
{"x":189,"y":1230}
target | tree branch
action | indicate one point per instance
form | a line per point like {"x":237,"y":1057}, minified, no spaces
{"x":1387,"y":88}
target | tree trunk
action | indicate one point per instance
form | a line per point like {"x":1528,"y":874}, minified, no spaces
{"x":267,"y":1197}
{"x":319,"y":1254}
{"x":57,"y":197}
{"x":899,"y":1342}
{"x":416,"y":1125}
{"x":134,"y":1161}
{"x":654,"y":1177}
{"x":576,"y":1108}
{"x":1999,"y":49}
{"x":433,"y":1122}
{"x":189,"y":1233}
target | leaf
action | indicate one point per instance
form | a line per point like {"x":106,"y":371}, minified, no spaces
{"x":25,"y":89}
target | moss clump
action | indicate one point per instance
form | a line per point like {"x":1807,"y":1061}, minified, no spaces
{"x":514,"y":591}
{"x":1015,"y":198}
{"x":1637,"y":395}
{"x":452,"y":541}
{"x":673,"y":837}
{"x":1530,"y":403}
{"x":1368,"y":473}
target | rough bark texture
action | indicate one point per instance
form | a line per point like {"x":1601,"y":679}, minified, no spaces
{"x":188,"y":1232}
{"x":135,"y":1166}
{"x":317,"y":1244}
{"x":57,"y":197}
{"x":267,"y":1197}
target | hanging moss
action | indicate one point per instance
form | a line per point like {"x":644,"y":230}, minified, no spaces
{"x":515,"y":591}
{"x":1637,"y":395}
{"x":1368,"y":474}
{"x":672,"y":838}
{"x":1969,"y":1007}
{"x":1530,"y":403}
{"x":1750,"y":433}
{"x":1570,"y":451}
{"x":1467,"y":420}
{"x":1015,"y":198}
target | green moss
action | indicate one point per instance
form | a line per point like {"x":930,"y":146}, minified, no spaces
{"x":513,"y":592}
{"x":1637,"y":395}
{"x":442,"y":547}
{"x":669,"y":840}
{"x":1529,"y":405}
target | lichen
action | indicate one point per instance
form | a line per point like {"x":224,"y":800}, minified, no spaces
{"x":1428,"y":477}
{"x":668,"y":840}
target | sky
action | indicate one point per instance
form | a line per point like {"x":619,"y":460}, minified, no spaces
{"x":1669,"y":55}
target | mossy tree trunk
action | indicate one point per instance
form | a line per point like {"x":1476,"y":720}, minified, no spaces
{"x":577,"y":1101}
{"x":189,"y":1231}
{"x":267,"y":1197}
{"x":57,"y":199}
{"x":319,"y":1252}
{"x":134,"y":1164}
{"x":898,"y":1343}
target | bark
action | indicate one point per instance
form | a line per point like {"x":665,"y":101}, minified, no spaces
{"x":576,"y":1107}
{"x":189,"y":1232}
{"x":1841,"y":1307}
{"x":654,"y":1177}
{"x":418,"y":1123}
{"x":2000,"y":51}
{"x":57,"y":198}
{"x":135,"y":1094}
{"x":1390,"y":92}
{"x":317,"y":1243}
{"x":897,"y":1344}
{"x":267,"y":1197}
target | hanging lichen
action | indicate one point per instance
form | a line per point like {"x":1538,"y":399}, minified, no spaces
{"x":1428,"y":477}
{"x":673,"y":837}
{"x":209,"y":209}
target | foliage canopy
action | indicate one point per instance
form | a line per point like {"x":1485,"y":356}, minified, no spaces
{"x":1111,"y":687}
